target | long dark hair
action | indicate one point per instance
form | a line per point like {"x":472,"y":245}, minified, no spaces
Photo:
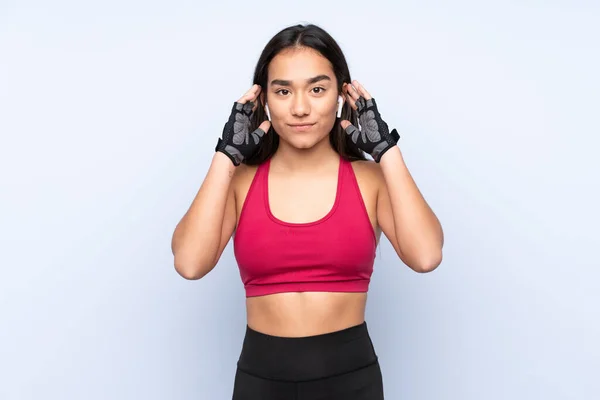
{"x":318,"y":39}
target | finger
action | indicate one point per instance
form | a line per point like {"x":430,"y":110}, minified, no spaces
{"x":347,"y":98}
{"x":350,"y":101}
{"x":250,"y":95}
{"x":255,"y":97}
{"x":345,"y":123}
{"x":353,"y":92}
{"x":265,"y":126}
{"x":361,"y":90}
{"x":351,"y":130}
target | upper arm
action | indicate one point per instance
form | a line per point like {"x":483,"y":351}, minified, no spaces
{"x":385,"y":216}
{"x":229,"y":220}
{"x":375,"y":195}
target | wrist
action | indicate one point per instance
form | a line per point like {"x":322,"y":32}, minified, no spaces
{"x":390,"y":155}
{"x":231,"y":152}
{"x":224,"y":161}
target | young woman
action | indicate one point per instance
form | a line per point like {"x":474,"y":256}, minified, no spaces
{"x":290,"y":178}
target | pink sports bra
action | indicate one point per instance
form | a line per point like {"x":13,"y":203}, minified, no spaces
{"x":333,"y":254}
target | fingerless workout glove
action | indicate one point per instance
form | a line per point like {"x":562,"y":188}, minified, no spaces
{"x":237,"y":142}
{"x":374,"y":137}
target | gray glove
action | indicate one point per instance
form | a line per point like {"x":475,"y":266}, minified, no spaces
{"x":237,"y":142}
{"x":375,"y":137}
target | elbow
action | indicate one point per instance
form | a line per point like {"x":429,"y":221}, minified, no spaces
{"x":191,"y":270}
{"x":427,"y":264}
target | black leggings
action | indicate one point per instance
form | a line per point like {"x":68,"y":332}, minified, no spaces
{"x":332,"y":366}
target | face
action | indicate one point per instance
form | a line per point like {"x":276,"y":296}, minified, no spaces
{"x":302,"y":97}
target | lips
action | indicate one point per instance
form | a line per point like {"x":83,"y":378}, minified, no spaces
{"x":302,"y":127}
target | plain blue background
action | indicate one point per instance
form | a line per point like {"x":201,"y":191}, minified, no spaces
{"x":109,"y":113}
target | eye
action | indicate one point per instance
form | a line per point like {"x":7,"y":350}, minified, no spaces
{"x":321,"y":90}
{"x":281,"y":90}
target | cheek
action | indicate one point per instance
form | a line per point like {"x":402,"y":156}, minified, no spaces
{"x":327,"y":115}
{"x":329,"y":106}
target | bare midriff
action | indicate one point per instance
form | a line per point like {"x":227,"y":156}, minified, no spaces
{"x":298,"y":314}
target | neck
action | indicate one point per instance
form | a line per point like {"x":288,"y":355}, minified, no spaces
{"x":292,"y":159}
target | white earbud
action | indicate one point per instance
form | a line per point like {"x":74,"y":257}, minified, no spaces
{"x":267,"y":111}
{"x":340,"y":105}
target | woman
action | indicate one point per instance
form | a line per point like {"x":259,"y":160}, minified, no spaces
{"x":289,"y":176}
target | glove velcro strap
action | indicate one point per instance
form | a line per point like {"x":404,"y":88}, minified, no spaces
{"x":395,"y":135}
{"x":222,"y":147}
{"x":380,"y":149}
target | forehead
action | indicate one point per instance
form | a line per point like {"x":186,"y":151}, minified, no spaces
{"x":299,"y":64}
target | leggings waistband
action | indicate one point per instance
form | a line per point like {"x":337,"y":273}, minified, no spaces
{"x":306,"y":358}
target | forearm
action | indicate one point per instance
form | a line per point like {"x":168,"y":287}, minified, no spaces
{"x":417,"y":229}
{"x":197,"y":236}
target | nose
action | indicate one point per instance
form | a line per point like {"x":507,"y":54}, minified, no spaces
{"x":300,"y":106}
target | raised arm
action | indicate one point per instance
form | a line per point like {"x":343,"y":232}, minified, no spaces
{"x":207,"y":226}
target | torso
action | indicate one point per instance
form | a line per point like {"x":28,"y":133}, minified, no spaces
{"x":292,"y":199}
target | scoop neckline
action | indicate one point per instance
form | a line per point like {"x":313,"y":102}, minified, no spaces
{"x":301,"y":224}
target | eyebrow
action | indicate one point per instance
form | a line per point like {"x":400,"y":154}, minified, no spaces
{"x":315,"y":79}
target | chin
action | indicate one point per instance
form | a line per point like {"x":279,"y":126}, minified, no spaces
{"x":303,"y":141}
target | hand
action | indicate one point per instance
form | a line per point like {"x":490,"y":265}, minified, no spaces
{"x":374,"y":138}
{"x":237,"y":142}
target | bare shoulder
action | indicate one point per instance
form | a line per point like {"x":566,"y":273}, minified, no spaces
{"x":241,"y":182}
{"x":243,"y":175}
{"x":368,"y":171}
{"x":368,"y":176}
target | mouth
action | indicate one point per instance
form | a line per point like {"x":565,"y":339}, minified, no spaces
{"x":301,"y":127}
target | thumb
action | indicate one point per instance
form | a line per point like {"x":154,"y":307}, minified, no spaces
{"x":265,"y":126}
{"x":345,"y":124}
